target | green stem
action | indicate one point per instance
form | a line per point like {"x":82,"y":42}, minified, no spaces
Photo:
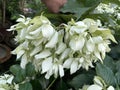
{"x":51,"y":84}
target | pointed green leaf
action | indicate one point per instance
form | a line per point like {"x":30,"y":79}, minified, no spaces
{"x":106,"y":74}
{"x":30,"y":70}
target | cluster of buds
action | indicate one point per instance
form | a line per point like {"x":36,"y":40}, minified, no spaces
{"x":52,"y":49}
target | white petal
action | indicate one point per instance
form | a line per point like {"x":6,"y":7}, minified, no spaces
{"x":20,"y":53}
{"x":22,"y":34}
{"x":49,"y":73}
{"x":2,"y":89}
{"x":60,"y":48}
{"x":61,"y":71}
{"x":74,"y":67}
{"x":97,"y":39}
{"x":90,"y":45}
{"x":53,"y":41}
{"x":80,"y":28}
{"x":36,"y":50}
{"x":47,"y":30}
{"x":2,"y":81}
{"x":10,"y":80}
{"x":37,"y":42}
{"x":43,"y":54}
{"x":97,"y":81}
{"x":68,"y":63}
{"x":97,"y":54}
{"x":110,"y":88}
{"x":101,"y":47}
{"x":77,"y":43}
{"x":29,"y":37}
{"x":81,"y":60}
{"x":94,"y":87}
{"x":46,"y":64}
{"x":65,"y":53}
{"x":17,"y":50}
{"x":55,"y":70}
{"x":23,"y":61}
{"x":38,"y":30}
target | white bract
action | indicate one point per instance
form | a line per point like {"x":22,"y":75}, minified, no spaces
{"x":51,"y":51}
{"x":99,"y":84}
{"x":7,"y":84}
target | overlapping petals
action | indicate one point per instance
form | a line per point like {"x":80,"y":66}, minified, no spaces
{"x":52,"y":51}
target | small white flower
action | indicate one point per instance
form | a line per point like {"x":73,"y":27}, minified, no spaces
{"x":65,"y":53}
{"x":43,"y":54}
{"x":47,"y":64}
{"x":90,"y":45}
{"x":53,"y":41}
{"x":77,"y":43}
{"x":35,"y":50}
{"x":79,"y":28}
{"x":61,"y":71}
{"x":24,"y":61}
{"x":55,"y":70}
{"x":68,"y":63}
{"x":74,"y":67}
{"x":62,"y":46}
{"x":37,"y":31}
{"x":47,"y":30}
{"x":20,"y":53}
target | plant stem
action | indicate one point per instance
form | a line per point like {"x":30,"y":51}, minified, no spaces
{"x":51,"y":84}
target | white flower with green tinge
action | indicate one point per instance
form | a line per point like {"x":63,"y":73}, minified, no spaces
{"x":77,"y":45}
{"x":6,"y":82}
{"x":99,"y":84}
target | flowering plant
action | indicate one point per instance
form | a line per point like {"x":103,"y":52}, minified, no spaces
{"x":75,"y":51}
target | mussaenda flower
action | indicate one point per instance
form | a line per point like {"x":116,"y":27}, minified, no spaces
{"x":77,"y":45}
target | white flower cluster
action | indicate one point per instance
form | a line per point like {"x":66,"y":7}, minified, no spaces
{"x":109,"y":8}
{"x":6,"y":83}
{"x":99,"y":84}
{"x":51,"y":50}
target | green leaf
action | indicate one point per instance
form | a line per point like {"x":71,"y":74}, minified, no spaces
{"x":81,"y":79}
{"x":30,"y":70}
{"x":25,"y":86}
{"x":117,"y":75}
{"x":79,"y":7}
{"x":106,"y":74}
{"x":109,"y":62}
{"x":15,"y":69}
{"x":18,"y":72}
{"x":117,"y":66}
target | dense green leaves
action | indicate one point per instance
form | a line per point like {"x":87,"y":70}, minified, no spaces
{"x":18,"y":72}
{"x":106,"y":73}
{"x":79,"y":7}
{"x":109,"y":71}
{"x":82,"y":79}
